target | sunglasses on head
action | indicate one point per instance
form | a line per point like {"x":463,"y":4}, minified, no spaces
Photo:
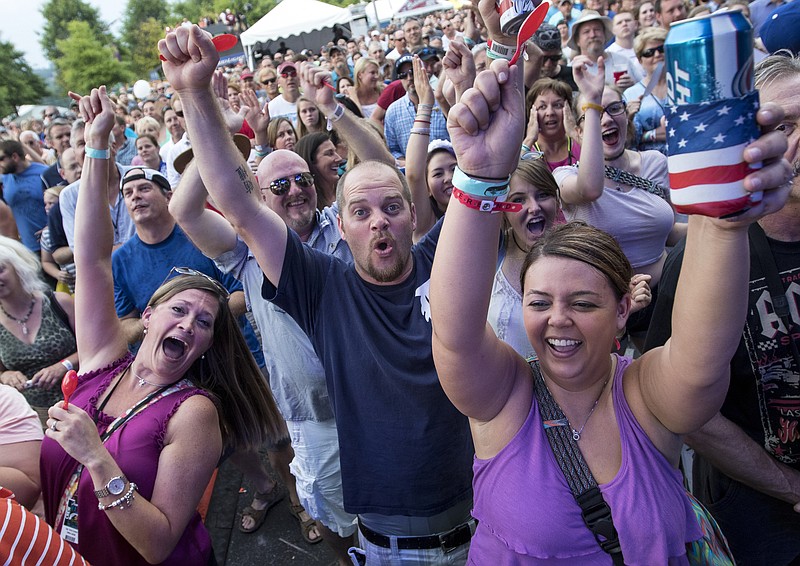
{"x":289,"y":73}
{"x":281,"y":186}
{"x":175,"y":271}
{"x":647,"y":53}
{"x":614,"y":109}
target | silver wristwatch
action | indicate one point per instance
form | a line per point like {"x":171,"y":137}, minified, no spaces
{"x":115,"y":486}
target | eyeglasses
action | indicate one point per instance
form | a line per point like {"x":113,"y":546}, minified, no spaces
{"x":289,"y":73}
{"x":269,"y":81}
{"x":281,"y":186}
{"x":551,"y":58}
{"x":613,"y":109}
{"x":647,"y":53}
{"x":175,"y":271}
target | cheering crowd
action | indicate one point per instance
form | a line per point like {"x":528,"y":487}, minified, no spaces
{"x":449,"y":297}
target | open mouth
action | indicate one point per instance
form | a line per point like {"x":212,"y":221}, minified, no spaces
{"x":563,"y":346}
{"x":296,"y":203}
{"x":383,"y":248}
{"x":535,"y":226}
{"x":173,"y":348}
{"x":611,"y":137}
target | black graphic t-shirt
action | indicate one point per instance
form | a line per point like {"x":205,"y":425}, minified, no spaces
{"x":764,"y":394}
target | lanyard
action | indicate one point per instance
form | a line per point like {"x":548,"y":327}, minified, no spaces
{"x":72,"y":484}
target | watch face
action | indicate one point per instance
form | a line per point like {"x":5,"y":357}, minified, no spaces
{"x":116,"y":485}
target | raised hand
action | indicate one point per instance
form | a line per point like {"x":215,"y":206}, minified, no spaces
{"x":257,"y":117}
{"x":459,"y":67}
{"x":97,"y":111}
{"x":590,"y":77}
{"x":190,"y":58}
{"x":641,"y":294}
{"x":313,"y":80}
{"x":233,"y":120}
{"x":486,"y":124}
{"x":421,"y":83}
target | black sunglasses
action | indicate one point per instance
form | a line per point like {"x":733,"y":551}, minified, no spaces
{"x":647,"y":53}
{"x":281,"y":186}
{"x":613,"y":109}
{"x":551,"y":58}
{"x":269,"y":81}
{"x":405,"y":75}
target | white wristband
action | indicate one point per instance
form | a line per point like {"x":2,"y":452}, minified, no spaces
{"x":67,"y":364}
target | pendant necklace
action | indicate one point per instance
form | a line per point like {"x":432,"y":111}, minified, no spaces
{"x":143,"y":381}
{"x":21,"y":321}
{"x":576,"y":434}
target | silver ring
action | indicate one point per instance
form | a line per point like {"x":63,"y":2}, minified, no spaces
{"x":53,"y":427}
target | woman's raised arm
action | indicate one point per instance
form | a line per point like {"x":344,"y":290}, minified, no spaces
{"x":98,"y":330}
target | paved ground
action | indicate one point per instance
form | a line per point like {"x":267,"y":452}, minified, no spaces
{"x":277,"y":543}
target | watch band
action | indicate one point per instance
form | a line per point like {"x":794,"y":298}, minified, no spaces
{"x":105,"y":492}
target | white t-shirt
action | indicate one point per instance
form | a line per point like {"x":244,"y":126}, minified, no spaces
{"x":279,"y":106}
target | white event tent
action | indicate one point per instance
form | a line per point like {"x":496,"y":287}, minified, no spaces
{"x":300,"y":24}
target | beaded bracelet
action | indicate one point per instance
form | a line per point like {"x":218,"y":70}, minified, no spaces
{"x":124,"y":502}
{"x":591,"y":105}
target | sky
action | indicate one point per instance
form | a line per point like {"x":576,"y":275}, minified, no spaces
{"x":22,"y":19}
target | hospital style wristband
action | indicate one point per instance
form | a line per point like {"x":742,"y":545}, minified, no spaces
{"x":496,"y":50}
{"x":591,"y":105}
{"x":486,"y":205}
{"x":96,"y":153}
{"x":335,"y":116}
{"x":67,"y":364}
{"x":480,"y":189}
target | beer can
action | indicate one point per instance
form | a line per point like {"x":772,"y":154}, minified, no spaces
{"x":712,"y":104}
{"x":513,"y":13}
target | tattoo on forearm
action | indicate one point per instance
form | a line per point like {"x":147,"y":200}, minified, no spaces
{"x":248,"y":184}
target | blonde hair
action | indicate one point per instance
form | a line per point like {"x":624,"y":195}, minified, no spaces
{"x":26,"y":265}
{"x":648,"y":34}
{"x":144,"y":122}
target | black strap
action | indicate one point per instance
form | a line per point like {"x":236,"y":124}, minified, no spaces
{"x":759,"y":248}
{"x":594,"y":509}
{"x":58,"y":310}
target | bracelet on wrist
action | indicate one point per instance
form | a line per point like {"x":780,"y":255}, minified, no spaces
{"x":486,"y":204}
{"x":421,"y":131}
{"x":480,"y":188}
{"x":67,"y":364}
{"x":525,"y":148}
{"x":592,"y":106}
{"x":425,"y":106}
{"x":96,"y":153}
{"x":496,"y":50}
{"x":124,"y":502}
{"x":649,"y":136}
{"x":335,"y":116}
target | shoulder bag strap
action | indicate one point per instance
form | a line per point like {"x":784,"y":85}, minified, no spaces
{"x":594,"y":509}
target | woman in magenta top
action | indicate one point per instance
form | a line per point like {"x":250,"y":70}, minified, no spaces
{"x":627,"y":416}
{"x":126,"y":463}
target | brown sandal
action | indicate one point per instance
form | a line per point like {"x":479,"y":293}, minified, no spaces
{"x":271,"y":498}
{"x":305,"y":526}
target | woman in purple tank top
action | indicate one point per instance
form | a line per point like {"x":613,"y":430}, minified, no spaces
{"x":625,"y":416}
{"x":126,"y":462}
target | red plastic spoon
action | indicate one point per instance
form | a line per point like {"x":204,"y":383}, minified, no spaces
{"x":68,"y":385}
{"x":222,"y":42}
{"x":529,"y":27}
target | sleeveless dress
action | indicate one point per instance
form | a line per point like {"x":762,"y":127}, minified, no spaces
{"x":54,"y":342}
{"x":136,"y":447}
{"x":528,"y":516}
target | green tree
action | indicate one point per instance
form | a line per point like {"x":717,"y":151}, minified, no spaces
{"x":18,"y":84}
{"x":57,"y":13}
{"x":143,"y":49}
{"x":137,"y":13}
{"x":192,"y":10}
{"x":87,"y":61}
